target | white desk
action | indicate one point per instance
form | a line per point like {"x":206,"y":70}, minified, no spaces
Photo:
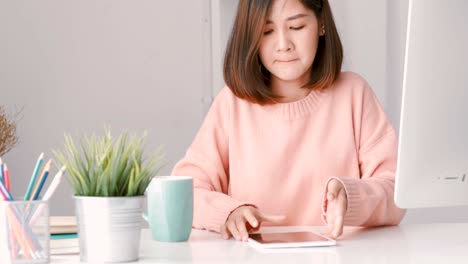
{"x":429,"y":243}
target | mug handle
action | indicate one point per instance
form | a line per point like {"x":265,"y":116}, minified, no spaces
{"x":145,"y":216}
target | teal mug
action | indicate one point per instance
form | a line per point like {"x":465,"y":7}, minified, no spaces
{"x":170,"y":208}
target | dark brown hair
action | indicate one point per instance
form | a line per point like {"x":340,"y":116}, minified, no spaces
{"x":243,"y":71}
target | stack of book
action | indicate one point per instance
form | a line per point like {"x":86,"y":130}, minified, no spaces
{"x":63,"y":235}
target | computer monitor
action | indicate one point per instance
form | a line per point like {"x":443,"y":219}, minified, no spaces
{"x":432,"y":168}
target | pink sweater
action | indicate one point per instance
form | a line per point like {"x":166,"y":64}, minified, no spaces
{"x":280,"y":157}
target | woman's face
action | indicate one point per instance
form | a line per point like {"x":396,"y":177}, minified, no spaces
{"x":289,"y":41}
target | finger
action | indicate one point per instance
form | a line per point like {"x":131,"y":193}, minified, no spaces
{"x":338,"y":226}
{"x":330,"y":214}
{"x":225,"y":232}
{"x":331,"y":221}
{"x":251,"y":219}
{"x":240,"y":224}
{"x":333,"y":188}
{"x":334,"y":185}
{"x":271,"y":218}
{"x":343,"y":200}
{"x":339,"y":212}
{"x":330,"y":224}
{"x":233,"y":229}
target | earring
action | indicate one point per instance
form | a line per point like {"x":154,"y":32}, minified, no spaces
{"x":323,"y":31}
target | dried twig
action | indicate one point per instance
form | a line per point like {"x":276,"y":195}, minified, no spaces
{"x":8,"y":138}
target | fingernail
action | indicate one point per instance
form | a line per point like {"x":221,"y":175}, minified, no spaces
{"x":255,"y":224}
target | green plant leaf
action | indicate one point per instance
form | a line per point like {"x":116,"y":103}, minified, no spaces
{"x":104,"y":166}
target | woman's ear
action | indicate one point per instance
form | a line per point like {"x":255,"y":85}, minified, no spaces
{"x":321,"y":28}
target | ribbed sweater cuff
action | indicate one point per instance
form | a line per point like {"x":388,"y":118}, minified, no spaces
{"x":354,"y":200}
{"x":222,"y":208}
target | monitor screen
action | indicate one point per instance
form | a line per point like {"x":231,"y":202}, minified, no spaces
{"x":433,"y":139}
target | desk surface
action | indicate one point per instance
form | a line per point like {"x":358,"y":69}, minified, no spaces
{"x":423,"y":243}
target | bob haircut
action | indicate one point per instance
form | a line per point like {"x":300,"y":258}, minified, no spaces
{"x":243,"y":71}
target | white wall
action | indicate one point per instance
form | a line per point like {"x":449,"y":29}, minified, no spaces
{"x":222,"y":13}
{"x":361,"y":25}
{"x":74,"y":66}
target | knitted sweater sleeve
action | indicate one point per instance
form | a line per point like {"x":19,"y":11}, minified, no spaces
{"x":207,"y":161}
{"x":370,"y":197}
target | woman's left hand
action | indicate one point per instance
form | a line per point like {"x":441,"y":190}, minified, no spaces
{"x":336,"y":206}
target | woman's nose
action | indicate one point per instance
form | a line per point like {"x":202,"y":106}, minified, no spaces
{"x":284,"y":43}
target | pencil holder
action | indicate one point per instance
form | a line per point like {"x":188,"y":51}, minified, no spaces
{"x":24,"y":232}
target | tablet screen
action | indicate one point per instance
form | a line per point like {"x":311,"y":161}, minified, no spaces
{"x":289,"y":237}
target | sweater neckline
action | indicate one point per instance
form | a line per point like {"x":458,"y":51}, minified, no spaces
{"x":300,"y":108}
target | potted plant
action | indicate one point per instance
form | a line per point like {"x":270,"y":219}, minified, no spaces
{"x":109,"y":177}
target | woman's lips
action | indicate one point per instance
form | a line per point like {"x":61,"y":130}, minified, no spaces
{"x":286,"y":61}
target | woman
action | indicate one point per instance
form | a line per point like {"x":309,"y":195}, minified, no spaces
{"x":291,"y":140}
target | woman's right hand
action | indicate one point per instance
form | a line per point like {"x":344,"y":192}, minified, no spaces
{"x":246,"y":219}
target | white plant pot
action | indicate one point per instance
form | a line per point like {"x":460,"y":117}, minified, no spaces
{"x":109,"y":228}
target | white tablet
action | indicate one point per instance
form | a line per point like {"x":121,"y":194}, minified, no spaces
{"x":289,"y":239}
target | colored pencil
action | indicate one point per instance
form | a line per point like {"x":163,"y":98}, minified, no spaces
{"x":1,"y":171}
{"x":20,"y":229}
{"x":32,"y":182}
{"x":6,"y":175}
{"x":54,"y":184}
{"x":40,"y":182}
{"x":6,"y":194}
{"x":48,"y":194}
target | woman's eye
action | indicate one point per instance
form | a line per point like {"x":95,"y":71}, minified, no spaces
{"x":267,"y":32}
{"x":297,"y":28}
